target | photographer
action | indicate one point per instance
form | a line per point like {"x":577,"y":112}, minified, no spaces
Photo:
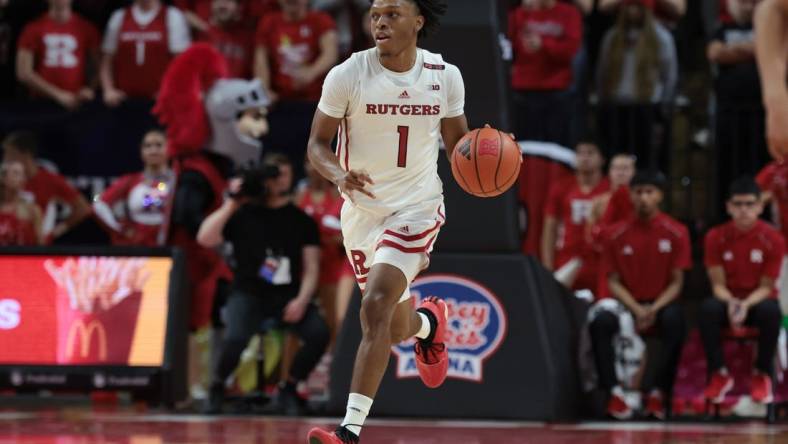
{"x":276,"y":255}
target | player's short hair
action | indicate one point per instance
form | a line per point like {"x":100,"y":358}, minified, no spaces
{"x":432,"y":11}
{"x":276,"y":159}
{"x":590,"y":141}
{"x":23,"y":141}
{"x":649,"y":177}
{"x":743,"y":186}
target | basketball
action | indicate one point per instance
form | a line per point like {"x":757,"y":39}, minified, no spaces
{"x":486,"y":162}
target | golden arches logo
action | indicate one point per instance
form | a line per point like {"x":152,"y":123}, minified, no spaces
{"x":85,"y":333}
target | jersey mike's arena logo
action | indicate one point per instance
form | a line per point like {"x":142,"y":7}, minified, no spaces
{"x":476,"y":326}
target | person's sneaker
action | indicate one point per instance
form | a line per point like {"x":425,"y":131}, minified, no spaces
{"x":213,"y":405}
{"x":289,"y":403}
{"x":432,"y":356}
{"x":655,"y":408}
{"x":761,"y":388}
{"x":721,"y":383}
{"x":617,"y":406}
{"x":339,"y":436}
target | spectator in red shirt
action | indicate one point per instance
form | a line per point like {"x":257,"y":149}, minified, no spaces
{"x":227,"y":33}
{"x":743,"y":259}
{"x":20,"y":220}
{"x":644,"y":260}
{"x":139,"y":43}
{"x":546,"y":35}
{"x":295,"y":49}
{"x":139,"y":199}
{"x":566,"y":247}
{"x":57,"y":56}
{"x":616,"y":205}
{"x":46,"y":189}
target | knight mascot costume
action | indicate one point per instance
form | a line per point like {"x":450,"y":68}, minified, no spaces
{"x":213,"y":128}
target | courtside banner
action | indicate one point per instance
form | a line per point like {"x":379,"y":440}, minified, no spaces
{"x":512,"y":335}
{"x":83,"y":310}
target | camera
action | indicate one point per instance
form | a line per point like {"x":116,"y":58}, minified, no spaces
{"x":253,"y":181}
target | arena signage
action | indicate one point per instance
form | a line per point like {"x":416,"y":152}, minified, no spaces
{"x":476,"y":326}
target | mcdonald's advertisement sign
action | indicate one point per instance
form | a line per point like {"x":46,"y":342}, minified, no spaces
{"x":80,"y":310}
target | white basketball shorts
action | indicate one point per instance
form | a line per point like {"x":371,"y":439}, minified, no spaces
{"x":403,"y":239}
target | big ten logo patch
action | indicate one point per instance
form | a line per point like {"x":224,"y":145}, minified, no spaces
{"x":476,"y":326}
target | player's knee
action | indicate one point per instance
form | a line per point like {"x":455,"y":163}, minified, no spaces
{"x":376,"y":312}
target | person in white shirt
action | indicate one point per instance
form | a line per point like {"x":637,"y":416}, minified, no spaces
{"x":390,"y":105}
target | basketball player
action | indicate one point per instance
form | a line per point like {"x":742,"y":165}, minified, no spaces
{"x":771,"y":24}
{"x":391,"y":104}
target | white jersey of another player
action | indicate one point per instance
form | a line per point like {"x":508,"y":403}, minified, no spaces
{"x":391,"y":125}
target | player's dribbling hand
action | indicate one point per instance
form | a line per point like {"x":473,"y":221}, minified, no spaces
{"x":487,"y":125}
{"x":355,"y":181}
{"x":777,"y":128}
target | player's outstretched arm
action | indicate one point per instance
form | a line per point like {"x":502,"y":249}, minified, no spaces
{"x":325,"y":161}
{"x":452,"y":130}
{"x":771,"y":25}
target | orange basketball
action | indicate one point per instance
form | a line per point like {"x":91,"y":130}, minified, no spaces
{"x":486,"y":162}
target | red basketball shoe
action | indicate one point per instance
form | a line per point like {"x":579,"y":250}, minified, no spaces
{"x":761,"y":388}
{"x":339,"y":436}
{"x":432,"y":356}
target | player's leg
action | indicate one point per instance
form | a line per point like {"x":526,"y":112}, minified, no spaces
{"x":603,"y":328}
{"x":672,"y":331}
{"x":243,"y":317}
{"x":314,"y":334}
{"x":385,"y":285}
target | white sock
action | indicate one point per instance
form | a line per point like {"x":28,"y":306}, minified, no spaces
{"x":426,"y":327}
{"x":358,"y":407}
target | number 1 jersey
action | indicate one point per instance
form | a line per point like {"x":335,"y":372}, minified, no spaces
{"x":391,"y":125}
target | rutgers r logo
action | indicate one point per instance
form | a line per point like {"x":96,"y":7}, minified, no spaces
{"x":488,"y":147}
{"x":359,"y":259}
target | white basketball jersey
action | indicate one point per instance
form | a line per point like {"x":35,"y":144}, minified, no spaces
{"x":391,"y":125}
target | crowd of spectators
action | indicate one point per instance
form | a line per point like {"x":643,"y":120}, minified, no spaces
{"x":602,"y":233}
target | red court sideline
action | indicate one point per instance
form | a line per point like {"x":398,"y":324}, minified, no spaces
{"x":80,"y":426}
